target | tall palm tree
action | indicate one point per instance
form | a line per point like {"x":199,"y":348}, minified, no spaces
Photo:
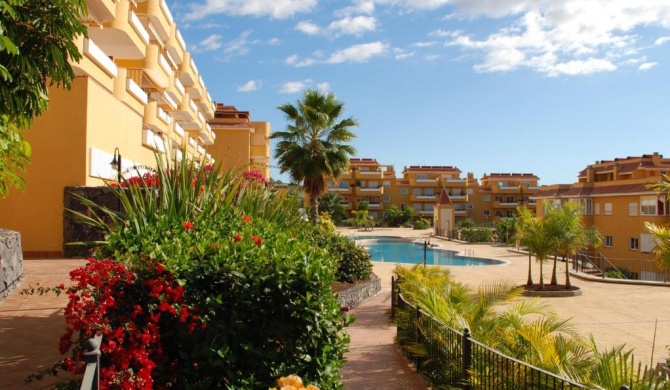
{"x":520,"y":234}
{"x":314,"y":146}
{"x":535,"y":235}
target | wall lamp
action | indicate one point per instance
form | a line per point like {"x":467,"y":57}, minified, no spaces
{"x":116,"y":164}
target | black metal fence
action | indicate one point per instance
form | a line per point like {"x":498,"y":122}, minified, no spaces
{"x":451,"y":358}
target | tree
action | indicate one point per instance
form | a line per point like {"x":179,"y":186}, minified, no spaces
{"x":314,"y":146}
{"x":36,"y":41}
{"x":535,"y":235}
{"x":331,"y":203}
{"x":661,"y":233}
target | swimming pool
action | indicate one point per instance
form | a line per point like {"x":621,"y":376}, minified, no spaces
{"x":400,"y":250}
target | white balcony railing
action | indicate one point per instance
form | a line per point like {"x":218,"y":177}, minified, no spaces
{"x":93,"y":52}
{"x":137,"y":91}
{"x":136,"y":24}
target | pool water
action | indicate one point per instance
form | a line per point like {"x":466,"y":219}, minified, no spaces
{"x":397,"y":250}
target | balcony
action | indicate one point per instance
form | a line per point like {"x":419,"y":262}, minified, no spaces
{"x":369,"y":174}
{"x":505,"y":188}
{"x":159,"y":15}
{"x":183,"y":112}
{"x":178,"y":130}
{"x":95,"y":63}
{"x":461,"y":213}
{"x":346,"y":191}
{"x":153,"y":141}
{"x":206,"y":105}
{"x":371,"y":191}
{"x":422,"y":198}
{"x":175,"y":45}
{"x":458,"y":197}
{"x":164,"y":100}
{"x":155,"y":118}
{"x":197,"y":90}
{"x":188,"y":73}
{"x":175,"y":90}
{"x":374,"y":206}
{"x":503,"y":205}
{"x":206,"y":135}
{"x":122,"y":37}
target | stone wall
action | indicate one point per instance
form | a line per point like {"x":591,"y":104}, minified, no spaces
{"x":11,"y":261}
{"x":360,"y":292}
{"x":75,"y":231}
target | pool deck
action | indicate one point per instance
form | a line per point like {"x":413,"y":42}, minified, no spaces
{"x":613,"y":313}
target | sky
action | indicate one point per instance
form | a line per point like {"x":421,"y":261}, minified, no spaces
{"x":506,"y":86}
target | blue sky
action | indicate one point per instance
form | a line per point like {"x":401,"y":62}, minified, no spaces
{"x":537,"y":86}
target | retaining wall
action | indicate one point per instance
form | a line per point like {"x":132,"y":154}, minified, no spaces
{"x":11,"y":261}
{"x":360,"y":293}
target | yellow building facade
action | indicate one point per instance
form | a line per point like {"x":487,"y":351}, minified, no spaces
{"x":240,"y":142}
{"x":497,"y":195}
{"x":616,"y":200}
{"x":137,"y":91}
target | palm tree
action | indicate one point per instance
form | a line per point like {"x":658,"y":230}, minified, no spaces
{"x":520,"y":234}
{"x":535,"y":235}
{"x":314,"y":146}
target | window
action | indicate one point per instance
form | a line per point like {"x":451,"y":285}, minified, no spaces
{"x":510,"y":199}
{"x":586,"y":206}
{"x":487,"y":213}
{"x":486,"y":198}
{"x":417,"y":206}
{"x":498,"y":213}
{"x":597,"y":208}
{"x":329,"y":184}
{"x":609,"y":241}
{"x":373,"y":184}
{"x":469,"y":191}
{"x":458,"y":206}
{"x":510,"y":213}
{"x":648,"y":205}
{"x":468,"y":205}
{"x":416,"y":191}
{"x":387,"y":184}
{"x":608,"y":208}
{"x":421,"y":176}
{"x":632,"y":209}
{"x":647,"y":242}
{"x":429,"y":192}
{"x":403,"y":191}
{"x":428,"y":207}
{"x":499,"y":198}
{"x":634,"y":244}
{"x":344,"y":184}
{"x":386,"y":199}
{"x":502,"y":184}
{"x":456,"y":192}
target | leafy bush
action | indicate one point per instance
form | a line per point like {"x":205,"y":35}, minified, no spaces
{"x":421,"y":224}
{"x":476,"y":234}
{"x":326,"y":223}
{"x":353,"y":262}
{"x":395,"y":216}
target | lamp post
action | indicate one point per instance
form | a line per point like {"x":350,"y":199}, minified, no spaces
{"x":116,"y":165}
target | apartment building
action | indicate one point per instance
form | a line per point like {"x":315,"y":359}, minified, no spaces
{"x":617,"y":201}
{"x":365,"y":181}
{"x":497,"y":195}
{"x":239,"y":141}
{"x":137,"y":91}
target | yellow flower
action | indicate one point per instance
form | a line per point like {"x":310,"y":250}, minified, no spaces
{"x":292,"y":382}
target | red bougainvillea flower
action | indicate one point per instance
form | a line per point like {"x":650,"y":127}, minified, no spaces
{"x":246,"y":219}
{"x":257,"y":239}
{"x":187,"y":225}
{"x":238,"y":238}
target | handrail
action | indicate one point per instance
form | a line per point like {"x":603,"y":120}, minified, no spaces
{"x":600,"y":255}
{"x":91,"y":380}
{"x":585,"y":257}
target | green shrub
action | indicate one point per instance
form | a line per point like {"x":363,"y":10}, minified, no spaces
{"x":353,"y":262}
{"x":326,"y":223}
{"x":477,"y":234}
{"x":421,"y":224}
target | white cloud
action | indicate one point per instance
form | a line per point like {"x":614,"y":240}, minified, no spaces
{"x":647,"y":65}
{"x":276,"y":9}
{"x":400,"y":54}
{"x":569,"y":37}
{"x":358,"y":53}
{"x":365,"y":7}
{"x":249,"y":86}
{"x":593,"y":65}
{"x":661,"y":40}
{"x":323,"y":87}
{"x":299,"y":63}
{"x":293,"y":86}
{"x":210,"y":43}
{"x":308,"y":27}
{"x":274,"y":41}
{"x":353,"y":25}
{"x":238,"y":46}
{"x":357,"y":26}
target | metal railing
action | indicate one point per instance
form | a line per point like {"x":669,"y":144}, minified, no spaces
{"x":448,"y":357}
{"x":91,"y":380}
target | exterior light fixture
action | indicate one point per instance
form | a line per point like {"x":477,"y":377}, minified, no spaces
{"x":116,"y":164}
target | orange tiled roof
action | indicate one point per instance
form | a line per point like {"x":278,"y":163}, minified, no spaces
{"x":498,"y":176}
{"x":581,"y":191}
{"x":444,"y":198}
